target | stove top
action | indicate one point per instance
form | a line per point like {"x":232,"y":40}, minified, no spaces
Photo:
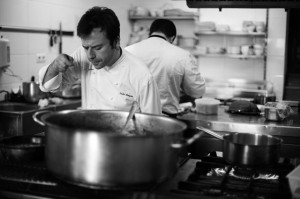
{"x":212,"y":176}
{"x":205,"y":178}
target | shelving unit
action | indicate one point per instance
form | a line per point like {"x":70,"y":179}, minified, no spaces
{"x":233,"y":56}
{"x":133,"y":18}
{"x":232,"y":33}
{"x":251,"y":37}
{"x":183,"y":23}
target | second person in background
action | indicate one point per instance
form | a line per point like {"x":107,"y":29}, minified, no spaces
{"x":174,"y":69}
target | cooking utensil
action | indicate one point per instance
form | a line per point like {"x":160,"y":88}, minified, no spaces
{"x":31,"y":91}
{"x":22,"y":148}
{"x":85,"y":147}
{"x":133,"y":109}
{"x":248,"y":149}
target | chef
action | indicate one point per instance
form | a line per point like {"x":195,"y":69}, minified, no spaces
{"x":112,"y":78}
{"x":174,"y":69}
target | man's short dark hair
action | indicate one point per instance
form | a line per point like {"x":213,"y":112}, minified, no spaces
{"x":100,"y":17}
{"x":164,"y":26}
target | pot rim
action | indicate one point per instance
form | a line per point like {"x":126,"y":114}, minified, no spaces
{"x":68,"y":112}
{"x":277,"y":141}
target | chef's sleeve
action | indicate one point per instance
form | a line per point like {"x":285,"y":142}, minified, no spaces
{"x":193,"y":83}
{"x":149,"y":98}
{"x":52,"y":84}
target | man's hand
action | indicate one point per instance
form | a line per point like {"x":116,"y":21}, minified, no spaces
{"x":60,"y":64}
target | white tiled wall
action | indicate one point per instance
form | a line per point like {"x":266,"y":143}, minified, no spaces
{"x":49,"y":13}
{"x":45,"y":14}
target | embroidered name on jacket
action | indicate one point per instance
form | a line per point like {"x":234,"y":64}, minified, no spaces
{"x":126,"y":94}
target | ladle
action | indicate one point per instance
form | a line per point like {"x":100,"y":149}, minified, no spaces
{"x":133,"y":109}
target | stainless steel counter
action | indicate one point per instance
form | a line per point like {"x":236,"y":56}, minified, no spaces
{"x":224,"y":122}
{"x":228,"y":122}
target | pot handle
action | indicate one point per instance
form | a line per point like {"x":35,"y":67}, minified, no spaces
{"x":37,"y":115}
{"x":212,"y":133}
{"x":187,"y":142}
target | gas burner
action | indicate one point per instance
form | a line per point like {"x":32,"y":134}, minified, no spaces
{"x":244,"y":173}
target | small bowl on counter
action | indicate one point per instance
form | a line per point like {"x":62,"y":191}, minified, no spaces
{"x":272,"y":114}
{"x":277,"y":111}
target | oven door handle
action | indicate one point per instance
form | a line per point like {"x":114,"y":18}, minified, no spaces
{"x":189,"y":141}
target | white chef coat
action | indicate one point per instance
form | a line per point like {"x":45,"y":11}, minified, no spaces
{"x":173,"y":68}
{"x":110,"y":88}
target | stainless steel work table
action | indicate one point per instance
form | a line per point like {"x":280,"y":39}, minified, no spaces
{"x":224,"y":122}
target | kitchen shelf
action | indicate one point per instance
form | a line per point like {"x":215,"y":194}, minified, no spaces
{"x":232,"y":38}
{"x":231,"y":33}
{"x":233,"y":56}
{"x":164,"y":17}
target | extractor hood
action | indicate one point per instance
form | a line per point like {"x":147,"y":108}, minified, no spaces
{"x":243,"y":4}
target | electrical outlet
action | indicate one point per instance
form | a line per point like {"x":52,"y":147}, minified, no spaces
{"x":40,"y":58}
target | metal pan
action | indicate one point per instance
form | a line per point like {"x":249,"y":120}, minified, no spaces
{"x":249,"y":149}
{"x":23,"y":148}
{"x":87,"y":148}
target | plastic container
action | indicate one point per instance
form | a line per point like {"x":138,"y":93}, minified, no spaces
{"x":207,"y":106}
{"x":294,"y":182}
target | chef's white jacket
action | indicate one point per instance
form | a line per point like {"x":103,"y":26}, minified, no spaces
{"x":110,"y":88}
{"x":174,"y":69}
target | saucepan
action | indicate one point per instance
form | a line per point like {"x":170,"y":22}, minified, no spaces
{"x":23,"y":148}
{"x":87,"y":148}
{"x":247,"y":149}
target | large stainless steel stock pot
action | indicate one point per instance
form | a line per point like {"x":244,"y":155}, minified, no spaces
{"x":85,"y":147}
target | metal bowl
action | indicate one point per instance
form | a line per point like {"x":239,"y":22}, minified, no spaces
{"x":272,"y":114}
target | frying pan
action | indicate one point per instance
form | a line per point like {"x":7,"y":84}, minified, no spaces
{"x":248,"y":149}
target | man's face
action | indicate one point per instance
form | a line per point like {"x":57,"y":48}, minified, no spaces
{"x":99,"y":50}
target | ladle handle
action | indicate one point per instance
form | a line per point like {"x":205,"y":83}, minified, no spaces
{"x":134,"y":107}
{"x":212,"y":133}
{"x":132,"y":110}
{"x":184,"y":143}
